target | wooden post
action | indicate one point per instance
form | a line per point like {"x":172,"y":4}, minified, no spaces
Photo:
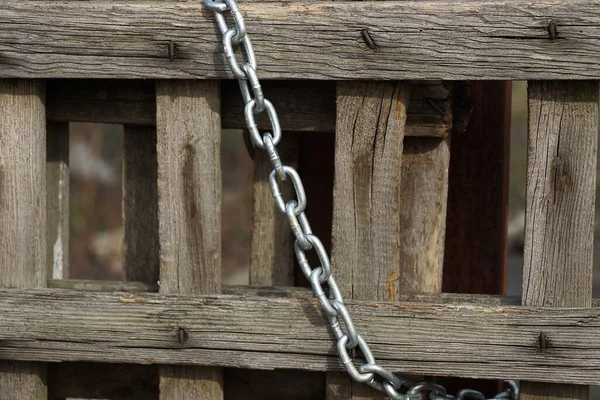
{"x":369,"y":134}
{"x":559,"y":225}
{"x":140,"y":205}
{"x":424,"y":189}
{"x":57,"y":188}
{"x":189,"y":214}
{"x":22,"y":214}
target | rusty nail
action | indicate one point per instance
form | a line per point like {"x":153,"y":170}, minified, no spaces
{"x":182,"y":335}
{"x":543,"y":341}
{"x":366,"y":35}
{"x":552,"y":33}
{"x":171,"y":49}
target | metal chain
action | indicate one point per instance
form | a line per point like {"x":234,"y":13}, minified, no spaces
{"x":334,"y":308}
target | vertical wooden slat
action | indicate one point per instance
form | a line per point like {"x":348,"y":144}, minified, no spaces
{"x":22,"y":214}
{"x":272,"y":251}
{"x":424,"y":189}
{"x":559,"y":224}
{"x":189,"y":214}
{"x":57,"y":188}
{"x":140,"y":205}
{"x":369,"y":134}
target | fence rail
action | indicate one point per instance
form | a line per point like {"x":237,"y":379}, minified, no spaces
{"x":450,"y":40}
{"x":453,"y":337}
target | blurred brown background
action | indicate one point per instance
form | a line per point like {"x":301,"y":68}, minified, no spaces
{"x":96,"y":231}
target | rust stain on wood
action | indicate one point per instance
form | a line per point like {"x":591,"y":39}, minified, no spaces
{"x":391,"y":286}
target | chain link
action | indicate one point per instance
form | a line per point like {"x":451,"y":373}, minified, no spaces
{"x":333,"y":306}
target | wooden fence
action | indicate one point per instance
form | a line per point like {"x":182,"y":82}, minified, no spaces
{"x":368,"y":125}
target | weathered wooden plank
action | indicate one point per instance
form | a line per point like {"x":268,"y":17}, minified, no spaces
{"x":102,"y":381}
{"x":102,"y":286}
{"x":140,"y":205}
{"x":369,"y":138}
{"x":22,"y":213}
{"x":559,"y":223}
{"x":189,"y":213}
{"x":283,"y":291}
{"x":272,"y":244}
{"x":57,"y":200}
{"x":302,"y":106}
{"x":492,"y":342}
{"x":424,"y":190}
{"x":452,"y":40}
{"x":366,"y":201}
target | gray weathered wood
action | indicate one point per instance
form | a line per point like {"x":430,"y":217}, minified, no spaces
{"x":303,"y":106}
{"x":103,"y":286}
{"x":288,"y":292}
{"x":272,"y":245}
{"x":369,"y":138}
{"x":561,"y":183}
{"x":488,"y":342}
{"x":57,"y":200}
{"x":102,"y":381}
{"x":189,"y":213}
{"x":140,"y":205}
{"x":424,"y":190}
{"x":366,"y":201}
{"x":453,"y":40}
{"x":22,"y":213}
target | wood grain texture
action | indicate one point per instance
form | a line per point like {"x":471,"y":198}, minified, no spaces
{"x":423,"y":194}
{"x":368,"y":152}
{"x":487,"y":342}
{"x":189,"y":213}
{"x":366,"y":201}
{"x":22,"y":213}
{"x":559,"y":224}
{"x":272,"y":243}
{"x":302,"y":106}
{"x":288,"y":292}
{"x":102,"y":381}
{"x":57,"y":200}
{"x":140,"y":205}
{"x":453,"y":40}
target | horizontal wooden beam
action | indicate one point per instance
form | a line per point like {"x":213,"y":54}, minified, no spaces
{"x":431,"y":39}
{"x":303,"y":106}
{"x":487,"y":342}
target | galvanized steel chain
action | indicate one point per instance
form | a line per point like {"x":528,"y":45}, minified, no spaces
{"x":333,"y":306}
